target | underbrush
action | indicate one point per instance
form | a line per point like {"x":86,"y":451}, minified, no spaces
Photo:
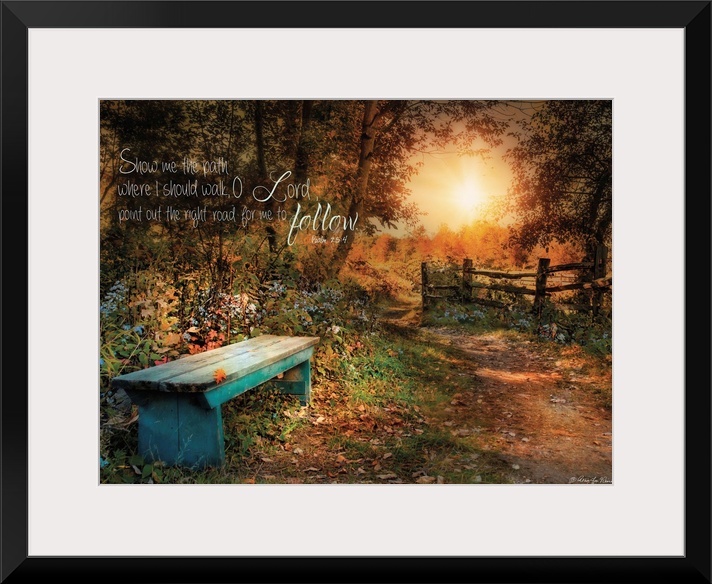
{"x":592,"y":334}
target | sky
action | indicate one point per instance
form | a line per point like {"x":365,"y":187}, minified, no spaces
{"x":454,"y":189}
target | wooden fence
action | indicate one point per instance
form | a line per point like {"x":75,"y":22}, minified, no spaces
{"x":587,"y":276}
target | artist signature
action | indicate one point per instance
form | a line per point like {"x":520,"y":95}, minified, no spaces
{"x":590,"y":480}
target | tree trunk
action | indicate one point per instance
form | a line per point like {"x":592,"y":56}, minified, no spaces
{"x":301,"y":158}
{"x":599,"y":206}
{"x":264,"y":176}
{"x":359,"y":193}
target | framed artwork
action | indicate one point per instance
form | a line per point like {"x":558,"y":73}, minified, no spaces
{"x":283,"y":279}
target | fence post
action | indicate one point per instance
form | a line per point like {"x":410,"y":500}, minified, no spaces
{"x":540,"y":292}
{"x":466,"y":280}
{"x":424,"y":283}
{"x":600,"y":267}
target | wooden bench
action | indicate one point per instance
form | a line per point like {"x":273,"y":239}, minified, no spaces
{"x":180,"y":418}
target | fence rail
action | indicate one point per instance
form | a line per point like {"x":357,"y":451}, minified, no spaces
{"x":592,"y":277}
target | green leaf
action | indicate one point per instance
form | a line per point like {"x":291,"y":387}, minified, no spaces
{"x":147,"y":470}
{"x":136,"y":460}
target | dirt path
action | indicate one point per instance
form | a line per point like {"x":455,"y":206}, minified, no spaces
{"x":535,"y":406}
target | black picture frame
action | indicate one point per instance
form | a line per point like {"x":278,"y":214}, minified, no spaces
{"x":19,"y":16}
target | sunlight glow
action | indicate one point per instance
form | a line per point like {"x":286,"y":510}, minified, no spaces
{"x":468,"y":195}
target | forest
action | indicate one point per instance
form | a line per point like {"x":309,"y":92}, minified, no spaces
{"x":464,"y":320}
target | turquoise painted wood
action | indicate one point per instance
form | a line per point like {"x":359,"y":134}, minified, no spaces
{"x":180,"y":417}
{"x":297,"y":381}
{"x":195,"y":373}
{"x":178,"y":430}
{"x":227,"y":390}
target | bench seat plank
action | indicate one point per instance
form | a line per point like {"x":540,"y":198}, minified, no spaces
{"x":196,"y":373}
{"x":152,"y":376}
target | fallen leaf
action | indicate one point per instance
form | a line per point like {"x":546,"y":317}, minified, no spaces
{"x":298,"y":451}
{"x":387,"y":476}
{"x":340,"y":459}
{"x":219,"y":375}
{"x":311,"y":469}
{"x":170,"y":340}
{"x":387,"y":455}
{"x":441,"y":480}
{"x":425,"y":480}
{"x":267,"y":460}
{"x":515,"y":466}
{"x":249,"y":481}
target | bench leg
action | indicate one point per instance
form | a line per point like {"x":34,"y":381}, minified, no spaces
{"x":176,"y":429}
{"x":297,"y":381}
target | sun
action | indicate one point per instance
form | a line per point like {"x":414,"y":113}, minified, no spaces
{"x":468,"y":195}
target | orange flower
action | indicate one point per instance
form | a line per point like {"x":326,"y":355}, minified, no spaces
{"x":219,"y":375}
